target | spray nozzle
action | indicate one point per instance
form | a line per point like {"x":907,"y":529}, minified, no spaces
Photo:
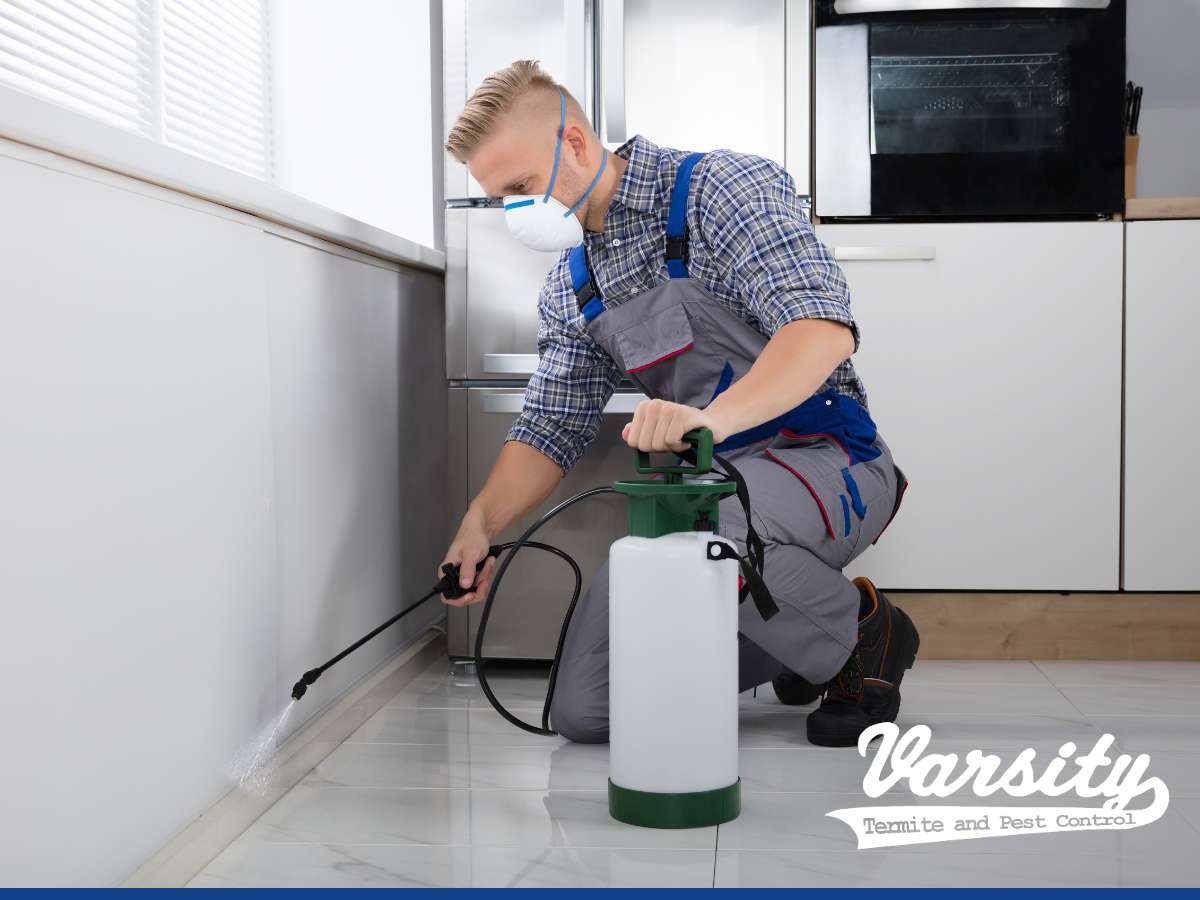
{"x":306,"y":679}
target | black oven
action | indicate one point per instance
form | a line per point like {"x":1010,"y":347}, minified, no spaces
{"x":969,"y":108}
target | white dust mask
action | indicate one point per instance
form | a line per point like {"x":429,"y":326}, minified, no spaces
{"x":543,"y":223}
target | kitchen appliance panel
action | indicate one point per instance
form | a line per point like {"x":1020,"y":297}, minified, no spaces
{"x":456,"y":292}
{"x":554,"y":32}
{"x":503,"y":280}
{"x":533,"y":597}
{"x":972,"y":109}
{"x":710,"y":76}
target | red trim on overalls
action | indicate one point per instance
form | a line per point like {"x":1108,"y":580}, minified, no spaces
{"x":797,"y":437}
{"x":655,"y":362}
{"x":820,"y":505}
{"x":899,"y":500}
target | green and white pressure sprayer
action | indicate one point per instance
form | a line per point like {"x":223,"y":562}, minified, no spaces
{"x":673,"y":598}
{"x":673,"y":604}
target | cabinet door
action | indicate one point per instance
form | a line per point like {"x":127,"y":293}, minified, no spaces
{"x":355,"y":521}
{"x":1162,"y":372}
{"x":993,"y":372}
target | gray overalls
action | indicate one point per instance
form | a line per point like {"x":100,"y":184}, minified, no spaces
{"x":821,"y":482}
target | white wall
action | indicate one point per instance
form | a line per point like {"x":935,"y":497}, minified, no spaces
{"x":351,"y":108}
{"x":1163,"y":54}
{"x":210,"y":434}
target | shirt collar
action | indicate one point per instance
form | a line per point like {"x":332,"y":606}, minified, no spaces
{"x":638,"y":188}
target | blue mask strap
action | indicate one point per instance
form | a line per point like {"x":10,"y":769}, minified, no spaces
{"x":562,"y":123}
{"x":600,"y":171}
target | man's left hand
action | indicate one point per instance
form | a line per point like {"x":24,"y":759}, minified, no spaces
{"x":659,"y":425}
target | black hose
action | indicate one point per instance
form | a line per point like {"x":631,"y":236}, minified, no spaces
{"x":751,"y":565}
{"x":449,"y":587}
{"x":516,"y":545}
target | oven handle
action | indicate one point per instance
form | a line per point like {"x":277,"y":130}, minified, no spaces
{"x":620,"y":404}
{"x":869,"y":254}
{"x":867,"y":7}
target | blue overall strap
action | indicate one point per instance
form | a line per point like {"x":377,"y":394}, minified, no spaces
{"x":581,"y":283}
{"x":677,"y":230}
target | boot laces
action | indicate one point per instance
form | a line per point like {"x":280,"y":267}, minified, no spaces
{"x":847,"y":685}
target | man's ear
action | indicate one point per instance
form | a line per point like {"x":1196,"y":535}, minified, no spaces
{"x":575,"y":138}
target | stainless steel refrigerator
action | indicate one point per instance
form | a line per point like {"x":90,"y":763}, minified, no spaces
{"x":698,"y":76}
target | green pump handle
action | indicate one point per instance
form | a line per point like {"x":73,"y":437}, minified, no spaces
{"x":700,"y":438}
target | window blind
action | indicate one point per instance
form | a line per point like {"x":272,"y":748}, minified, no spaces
{"x":215,"y":82}
{"x":192,"y":74}
{"x":90,"y":55}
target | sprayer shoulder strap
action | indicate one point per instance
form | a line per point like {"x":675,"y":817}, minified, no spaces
{"x":752,"y":562}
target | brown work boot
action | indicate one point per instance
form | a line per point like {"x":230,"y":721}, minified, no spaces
{"x":867,"y":689}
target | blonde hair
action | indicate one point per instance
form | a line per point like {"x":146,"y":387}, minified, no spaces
{"x":495,"y":97}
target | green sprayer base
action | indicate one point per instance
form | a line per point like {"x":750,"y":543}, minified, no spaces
{"x":692,"y":810}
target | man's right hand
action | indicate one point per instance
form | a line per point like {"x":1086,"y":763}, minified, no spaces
{"x":469,"y":547}
{"x":520,"y":480}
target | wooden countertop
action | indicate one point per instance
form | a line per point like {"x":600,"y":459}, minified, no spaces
{"x":1162,"y":208}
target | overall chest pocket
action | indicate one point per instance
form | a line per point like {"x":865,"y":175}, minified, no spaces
{"x":648,"y":344}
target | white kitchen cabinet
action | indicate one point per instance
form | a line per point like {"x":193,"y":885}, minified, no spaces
{"x":1162,"y":374}
{"x":991,"y":355}
{"x":357,"y":492}
{"x":137,"y":581}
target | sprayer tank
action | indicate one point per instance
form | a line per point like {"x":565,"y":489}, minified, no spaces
{"x":673,"y":657}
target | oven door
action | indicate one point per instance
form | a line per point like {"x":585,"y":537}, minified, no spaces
{"x":969,"y":108}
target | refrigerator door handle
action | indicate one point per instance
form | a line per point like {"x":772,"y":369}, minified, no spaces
{"x":512,"y":402}
{"x":612,"y":69}
{"x":510,"y":363}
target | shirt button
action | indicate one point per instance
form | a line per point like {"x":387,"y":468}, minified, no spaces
{"x":615,"y":242}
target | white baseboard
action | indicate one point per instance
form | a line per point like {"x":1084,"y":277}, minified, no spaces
{"x":188,"y":852}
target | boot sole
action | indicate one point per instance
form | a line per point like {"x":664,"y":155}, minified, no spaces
{"x":824,"y":736}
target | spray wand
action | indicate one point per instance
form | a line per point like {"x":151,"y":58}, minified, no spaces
{"x":448,"y":587}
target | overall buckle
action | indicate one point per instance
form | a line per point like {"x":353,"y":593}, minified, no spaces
{"x":677,"y":247}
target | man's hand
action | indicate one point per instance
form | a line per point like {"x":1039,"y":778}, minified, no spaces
{"x":470,"y":545}
{"x":659,"y":426}
{"x":521,"y":479}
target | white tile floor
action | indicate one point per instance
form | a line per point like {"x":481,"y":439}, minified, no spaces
{"x":437,"y":789}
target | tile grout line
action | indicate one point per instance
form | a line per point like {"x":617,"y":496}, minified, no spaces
{"x":716,"y":853}
{"x":1074,"y":706}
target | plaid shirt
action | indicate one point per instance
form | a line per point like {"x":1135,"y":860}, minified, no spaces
{"x":752,"y":247}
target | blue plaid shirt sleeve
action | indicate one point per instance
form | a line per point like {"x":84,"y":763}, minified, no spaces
{"x":567,"y":392}
{"x":752,"y":222}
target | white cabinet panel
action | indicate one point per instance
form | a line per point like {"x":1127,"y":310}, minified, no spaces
{"x":1162,"y":421}
{"x":137,"y":582}
{"x":993,"y":371}
{"x":334,"y":377}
